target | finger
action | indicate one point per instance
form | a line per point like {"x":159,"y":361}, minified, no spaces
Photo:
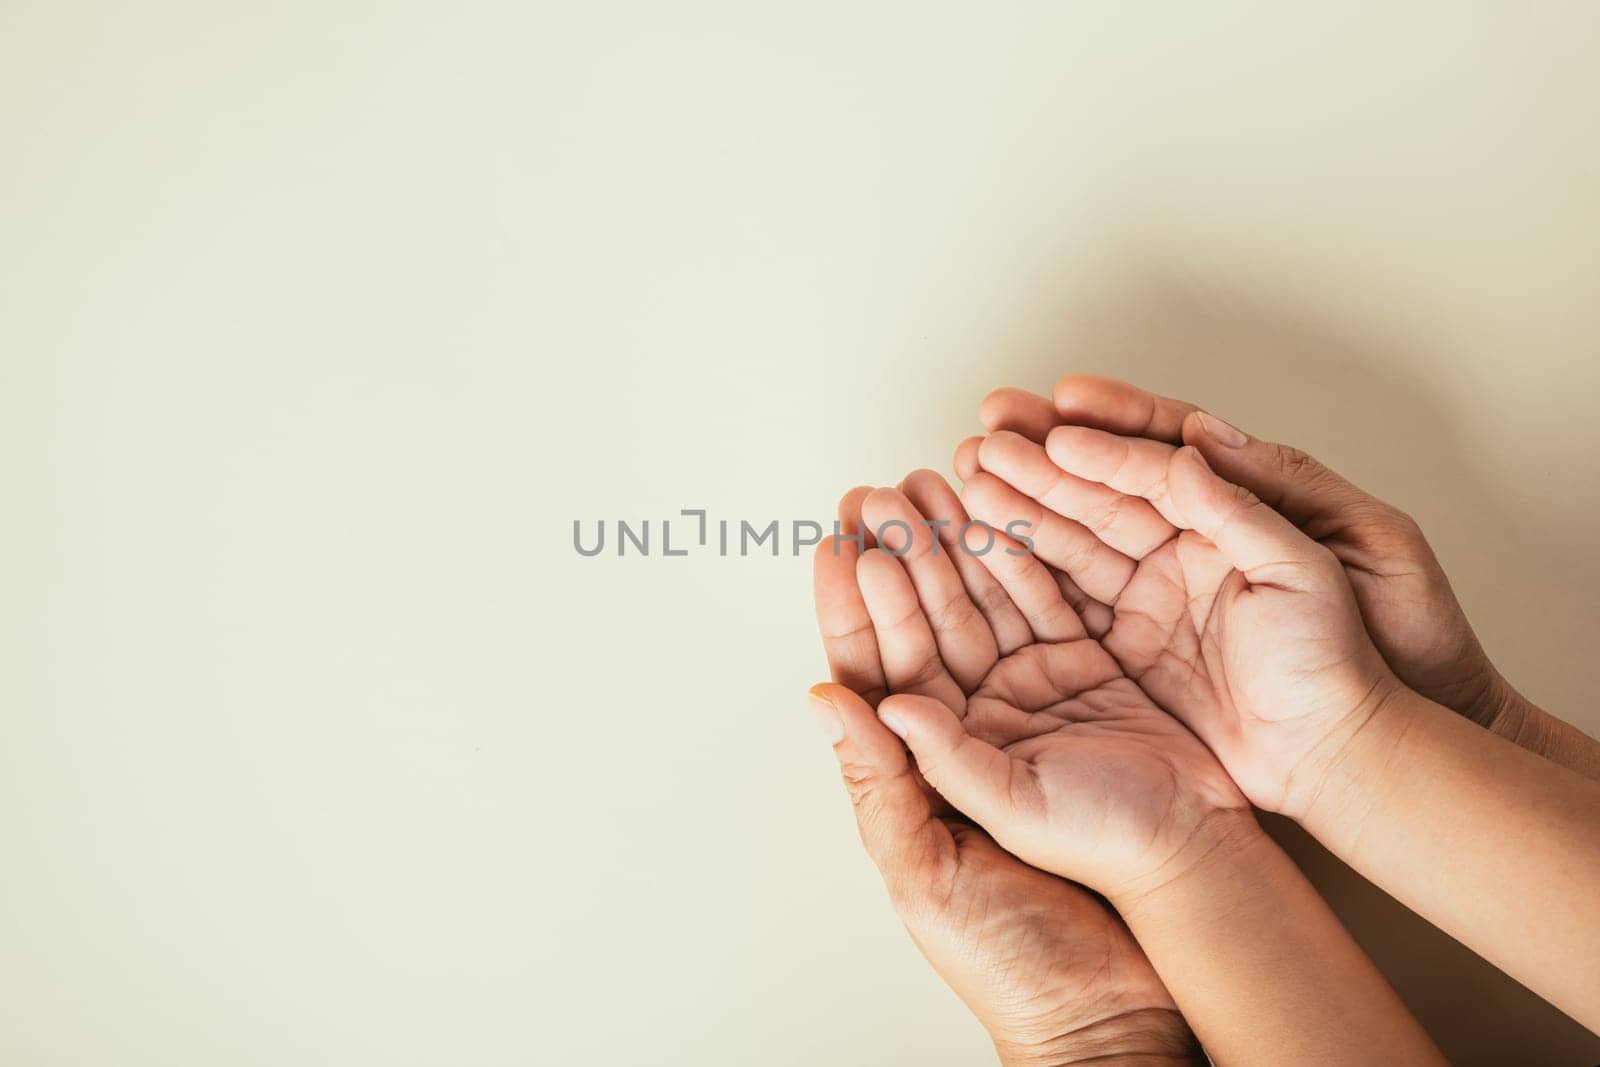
{"x":894,"y":814}
{"x":962,"y":634}
{"x":1029,"y":583}
{"x":1266,"y":547}
{"x":1116,"y":406}
{"x":906,"y":645}
{"x":1127,"y":523}
{"x":1303,"y":490}
{"x":847,"y":636}
{"x":1133,"y":466}
{"x":1096,"y":568}
{"x":1010,"y":629}
{"x":982,"y":782}
{"x":1018,"y":411}
{"x":966,"y":460}
{"x":1096,"y":617}
{"x":933,"y":497}
{"x":850,"y":523}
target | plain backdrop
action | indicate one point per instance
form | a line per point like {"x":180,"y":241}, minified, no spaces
{"x":321,"y":322}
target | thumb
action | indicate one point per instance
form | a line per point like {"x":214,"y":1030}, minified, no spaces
{"x":893,"y":812}
{"x":973,"y":775}
{"x":1288,"y":479}
{"x":1255,"y":539}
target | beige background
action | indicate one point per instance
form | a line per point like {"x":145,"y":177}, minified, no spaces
{"x":321,"y":321}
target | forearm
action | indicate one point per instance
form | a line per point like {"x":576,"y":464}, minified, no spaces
{"x":1260,"y":966}
{"x":1526,"y":725}
{"x":1495,"y":845}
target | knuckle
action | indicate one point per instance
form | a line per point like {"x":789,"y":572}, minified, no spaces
{"x":1153,"y":487}
{"x":1402,"y":525}
{"x":1107,"y":514}
{"x":1241,"y":502}
{"x":863,"y":783}
{"x":858,"y":779}
{"x":1120,"y":467}
{"x":1298,"y":465}
{"x":928,"y":669}
{"x":954,"y":615}
{"x":992,"y":599}
{"x":1079,"y":555}
{"x":1385,"y":521}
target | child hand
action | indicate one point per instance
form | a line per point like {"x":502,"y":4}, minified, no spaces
{"x":1406,"y":601}
{"x":1225,"y":613}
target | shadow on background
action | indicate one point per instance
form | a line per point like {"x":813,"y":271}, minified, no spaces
{"x":1364,"y":406}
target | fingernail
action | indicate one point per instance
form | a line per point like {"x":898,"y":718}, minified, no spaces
{"x":1222,"y":433}
{"x":828,"y":720}
{"x":1200,"y":458}
{"x":893,"y":722}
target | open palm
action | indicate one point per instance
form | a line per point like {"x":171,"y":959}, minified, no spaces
{"x":1048,"y":968}
{"x":1405,"y":598}
{"x":1019,"y":718}
{"x":1246,"y":631}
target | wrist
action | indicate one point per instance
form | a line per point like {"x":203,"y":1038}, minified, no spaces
{"x":1528,"y":726}
{"x":1327,"y":760}
{"x":1222,"y":843}
{"x":1497,"y":707}
{"x":1351,"y":784}
{"x":1261,"y":967}
{"x":1514,"y":717}
{"x":1142,"y":1036}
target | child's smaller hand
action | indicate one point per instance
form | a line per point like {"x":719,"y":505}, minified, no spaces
{"x":1223,"y":611}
